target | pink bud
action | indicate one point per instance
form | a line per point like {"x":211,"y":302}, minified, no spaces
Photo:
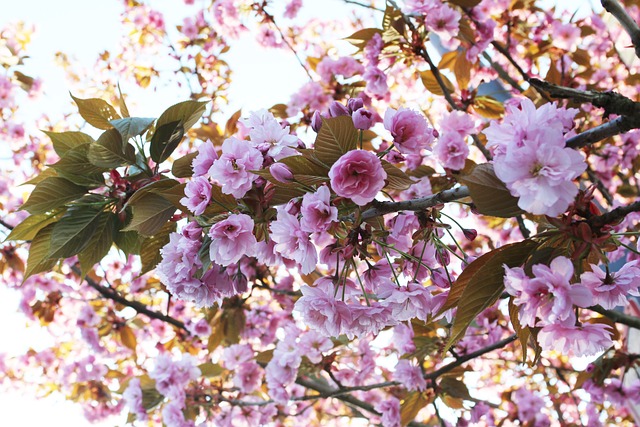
{"x":337,"y":109}
{"x":354,"y":104}
{"x":281,"y":173}
{"x":470,"y":234}
{"x":316,"y":122}
{"x":362,"y":119}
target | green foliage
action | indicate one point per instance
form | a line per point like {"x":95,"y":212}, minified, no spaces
{"x":111,"y":151}
{"x":97,"y":112}
{"x":337,"y":136}
{"x":171,"y":127}
{"x":52,"y":193}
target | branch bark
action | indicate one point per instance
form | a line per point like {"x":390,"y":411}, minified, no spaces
{"x":627,"y":22}
{"x":381,"y":208}
{"x":618,"y":317}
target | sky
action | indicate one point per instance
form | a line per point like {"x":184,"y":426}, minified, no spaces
{"x":82,"y":29}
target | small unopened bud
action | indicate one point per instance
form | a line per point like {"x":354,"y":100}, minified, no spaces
{"x":354,"y":104}
{"x":362,"y":119}
{"x":316,"y":122}
{"x":192,"y":231}
{"x":470,"y":234}
{"x":281,"y":173}
{"x":337,"y":109}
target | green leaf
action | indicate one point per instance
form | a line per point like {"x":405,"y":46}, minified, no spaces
{"x":123,"y":106}
{"x":361,"y":37}
{"x":31,"y":225}
{"x":130,"y":127}
{"x":110,"y":151}
{"x":220,"y":202}
{"x":38,"y":261}
{"x":76,"y":162}
{"x":173,"y":194}
{"x":150,"y":247}
{"x":481,"y":283}
{"x":65,"y":141}
{"x":74,"y":231}
{"x":46,"y":173}
{"x":337,"y":136}
{"x":522,"y":332}
{"x":165,"y":140}
{"x":210,"y":370}
{"x":97,"y":112}
{"x":181,"y":167}
{"x":454,"y":388}
{"x":129,"y":242}
{"x":171,"y":126}
{"x":305,"y":170}
{"x":411,"y":405}
{"x":99,"y":244}
{"x":489,"y":194}
{"x":396,"y":178}
{"x":150,"y":213}
{"x":52,"y":193}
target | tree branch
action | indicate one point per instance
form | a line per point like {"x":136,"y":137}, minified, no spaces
{"x":614,"y":127}
{"x":617,"y":316}
{"x":613,"y":216}
{"x":627,"y":22}
{"x":381,"y":208}
{"x":140,"y":308}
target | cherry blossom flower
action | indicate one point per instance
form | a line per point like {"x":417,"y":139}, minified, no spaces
{"x":197,"y":195}
{"x":390,"y":410}
{"x":231,"y":239}
{"x":585,"y":340}
{"x":204,"y":160}
{"x":321,"y":311}
{"x":409,"y":375}
{"x":409,"y":130}
{"x":357,"y":175}
{"x":232,"y":169}
{"x":293,"y":242}
{"x":316,"y":211}
{"x":451,"y":150}
{"x":610,"y":289}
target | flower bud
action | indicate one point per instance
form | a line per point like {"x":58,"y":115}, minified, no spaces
{"x":337,"y":109}
{"x":316,"y":121}
{"x":281,"y":173}
{"x":354,"y":104}
{"x":362,"y":119}
{"x":470,"y":234}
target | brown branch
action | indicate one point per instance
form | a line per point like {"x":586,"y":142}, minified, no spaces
{"x":463,"y":359}
{"x":140,"y":308}
{"x":614,"y":127}
{"x":612,"y":102}
{"x":627,"y":22}
{"x":618,"y":317}
{"x":381,"y":208}
{"x":613,"y":216}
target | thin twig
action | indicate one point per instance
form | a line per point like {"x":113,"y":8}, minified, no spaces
{"x":613,"y":216}
{"x":618,"y":317}
{"x":368,"y":6}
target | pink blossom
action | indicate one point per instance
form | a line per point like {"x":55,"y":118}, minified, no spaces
{"x":235,"y":355}
{"x":133,"y":398}
{"x":403,"y":338}
{"x":312,"y":345}
{"x":451,"y":150}
{"x":376,"y":81}
{"x":321,"y":311}
{"x":368,"y":319}
{"x":585,"y":340}
{"x":400,"y":233}
{"x":409,"y":130}
{"x":204,"y":160}
{"x":610,"y":289}
{"x":231,"y":239}
{"x":530,"y":407}
{"x":274,"y":139}
{"x":344,"y":66}
{"x":458,"y":122}
{"x":232,"y":169}
{"x":549,"y":296}
{"x":292,"y":8}
{"x":172,"y":416}
{"x":172,"y":376}
{"x":390,"y":410}
{"x":443,"y":20}
{"x":316,"y":211}
{"x":409,"y":375}
{"x":197,"y":195}
{"x":564,"y":36}
{"x":357,"y":175}
{"x":310,"y":95}
{"x":541,"y":176}
{"x":248,"y":376}
{"x":200,"y":328}
{"x":179,"y":260}
{"x":406,"y":302}
{"x":293,"y":242}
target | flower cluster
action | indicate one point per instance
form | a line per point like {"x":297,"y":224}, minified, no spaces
{"x":530,"y":156}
